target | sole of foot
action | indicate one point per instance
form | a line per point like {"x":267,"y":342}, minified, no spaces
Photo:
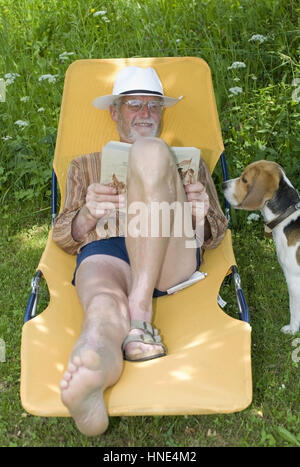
{"x":82,"y":389}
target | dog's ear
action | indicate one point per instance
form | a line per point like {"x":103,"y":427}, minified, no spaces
{"x":263,"y":186}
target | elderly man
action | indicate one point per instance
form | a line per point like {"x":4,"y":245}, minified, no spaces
{"x":117,"y":277}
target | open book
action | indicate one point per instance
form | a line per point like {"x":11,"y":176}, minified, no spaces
{"x":114,"y":164}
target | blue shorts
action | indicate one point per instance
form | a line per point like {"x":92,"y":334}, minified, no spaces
{"x":114,"y":246}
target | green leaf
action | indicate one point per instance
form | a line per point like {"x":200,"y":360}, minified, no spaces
{"x":288,"y":436}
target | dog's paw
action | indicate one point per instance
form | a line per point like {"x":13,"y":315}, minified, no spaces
{"x":288,"y":329}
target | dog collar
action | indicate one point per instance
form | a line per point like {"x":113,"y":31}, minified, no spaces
{"x":290,"y":210}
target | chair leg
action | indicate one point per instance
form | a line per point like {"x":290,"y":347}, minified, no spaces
{"x":32,"y":302}
{"x":242,"y":304}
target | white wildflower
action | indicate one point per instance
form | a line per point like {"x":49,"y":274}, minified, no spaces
{"x":235,"y":91}
{"x":50,"y":78}
{"x":65,"y":55}
{"x":21,"y":123}
{"x":6,"y":138}
{"x":258,"y":38}
{"x":100,"y":13}
{"x":235,"y":65}
{"x":2,"y":90}
{"x":296,"y":81}
{"x":24,"y":99}
{"x":253,"y":217}
{"x":10,"y":77}
{"x":41,"y":109}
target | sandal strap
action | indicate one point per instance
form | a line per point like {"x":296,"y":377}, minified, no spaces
{"x":143,"y":325}
{"x":151,"y":335}
{"x":142,"y":338}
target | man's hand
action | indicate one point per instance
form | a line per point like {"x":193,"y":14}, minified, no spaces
{"x":100,"y":200}
{"x":197,"y":195}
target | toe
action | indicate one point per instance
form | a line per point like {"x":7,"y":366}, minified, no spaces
{"x":77,"y":361}
{"x":67,"y":376}
{"x":72,"y":368}
{"x":64,"y":384}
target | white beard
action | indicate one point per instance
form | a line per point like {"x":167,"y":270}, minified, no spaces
{"x":140,"y":128}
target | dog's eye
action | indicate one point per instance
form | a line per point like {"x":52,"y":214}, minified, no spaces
{"x":244,"y":180}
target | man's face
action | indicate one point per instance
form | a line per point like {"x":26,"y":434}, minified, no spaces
{"x":133,"y":124}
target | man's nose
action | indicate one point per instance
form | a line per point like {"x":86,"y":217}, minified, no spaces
{"x":145,"y":112}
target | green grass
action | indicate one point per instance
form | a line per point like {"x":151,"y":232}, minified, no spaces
{"x":275,"y":376}
{"x":260,"y":123}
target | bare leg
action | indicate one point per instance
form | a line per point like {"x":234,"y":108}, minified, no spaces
{"x":158,"y":261}
{"x":96,"y":361}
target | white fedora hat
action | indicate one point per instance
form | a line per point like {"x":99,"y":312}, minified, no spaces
{"x":135,"y":81}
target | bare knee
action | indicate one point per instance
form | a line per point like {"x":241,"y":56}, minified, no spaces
{"x":149,"y":143}
{"x":151,"y":159}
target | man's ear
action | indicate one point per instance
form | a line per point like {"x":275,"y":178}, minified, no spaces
{"x":113,"y":112}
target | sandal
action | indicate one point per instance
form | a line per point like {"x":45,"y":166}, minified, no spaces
{"x":150,"y":336}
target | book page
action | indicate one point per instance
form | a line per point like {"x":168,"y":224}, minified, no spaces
{"x":114,"y":164}
{"x":187,"y":161}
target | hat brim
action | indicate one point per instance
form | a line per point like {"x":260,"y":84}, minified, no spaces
{"x":104,"y":102}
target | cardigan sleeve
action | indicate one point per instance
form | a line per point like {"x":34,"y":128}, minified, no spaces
{"x":74,"y":200}
{"x":215,"y":216}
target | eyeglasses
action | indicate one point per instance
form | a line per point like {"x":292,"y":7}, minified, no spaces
{"x":137,"y":106}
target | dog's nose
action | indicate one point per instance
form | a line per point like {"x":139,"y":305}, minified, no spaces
{"x":224,"y":185}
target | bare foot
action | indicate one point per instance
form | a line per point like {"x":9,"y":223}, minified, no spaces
{"x":82,"y":389}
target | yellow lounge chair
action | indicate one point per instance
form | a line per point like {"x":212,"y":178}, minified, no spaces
{"x":208,"y":366}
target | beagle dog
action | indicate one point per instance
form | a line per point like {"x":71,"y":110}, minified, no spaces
{"x":264,"y":186}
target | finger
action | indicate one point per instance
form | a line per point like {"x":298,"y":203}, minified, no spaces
{"x":194,"y":188}
{"x":99,"y":209}
{"x":99,"y":188}
{"x":99,"y":198}
{"x":200,"y":210}
{"x":199,"y":201}
{"x":200,"y":197}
